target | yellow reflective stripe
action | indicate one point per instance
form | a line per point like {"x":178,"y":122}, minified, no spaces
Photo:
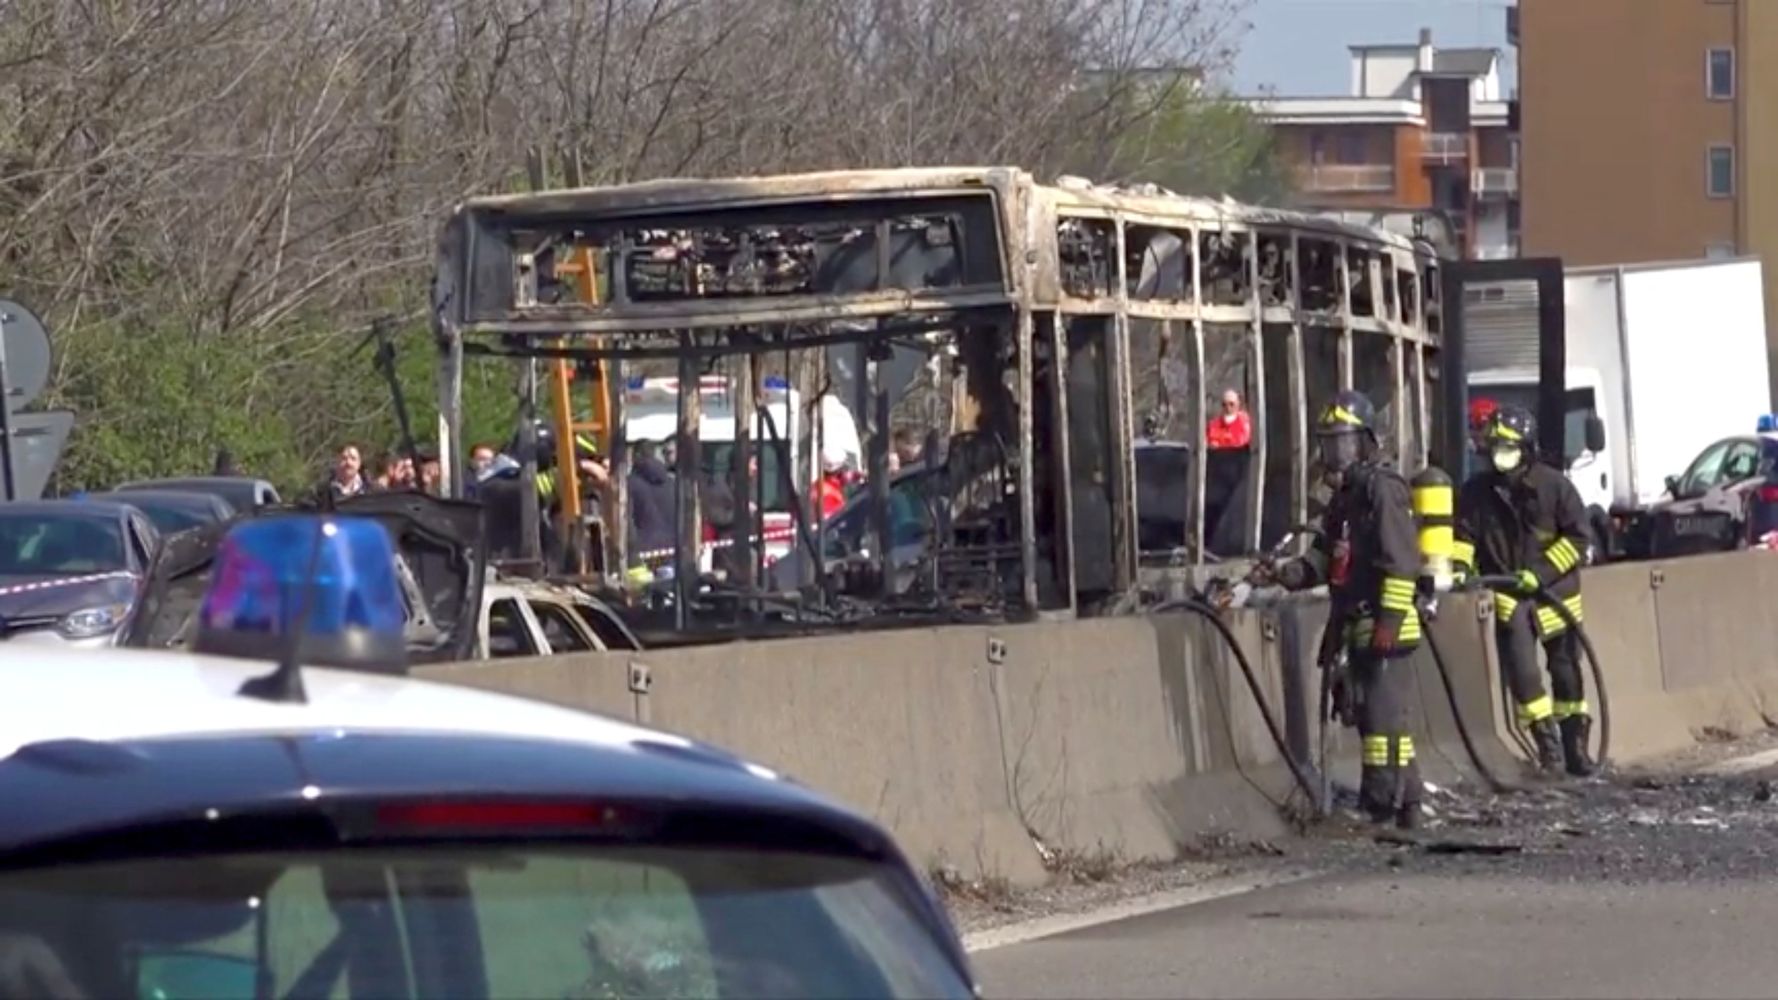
{"x":1464,"y":552}
{"x":1376,"y":751}
{"x":1504,"y":606}
{"x":1398,"y":594}
{"x":1340,"y":415}
{"x":1565,"y":709}
{"x":1438,"y":540}
{"x":1562,"y":555}
{"x":582,"y":441}
{"x":546,"y":484}
{"x":1536,"y":709}
{"x":1550,"y":621}
{"x":1410,"y":629}
{"x":1434,"y":501}
{"x":1506,"y":433}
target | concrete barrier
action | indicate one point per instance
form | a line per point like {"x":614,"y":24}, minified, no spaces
{"x":998,"y":750}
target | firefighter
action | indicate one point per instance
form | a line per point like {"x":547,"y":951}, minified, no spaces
{"x":1522,"y":518}
{"x":1368,"y":555}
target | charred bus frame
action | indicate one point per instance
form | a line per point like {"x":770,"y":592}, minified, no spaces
{"x":1071,"y":306}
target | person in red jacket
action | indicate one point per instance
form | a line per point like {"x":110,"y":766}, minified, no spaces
{"x":1233,"y":428}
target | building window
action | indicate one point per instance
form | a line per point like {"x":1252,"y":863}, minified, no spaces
{"x":1719,"y":74}
{"x":1721,"y":172}
{"x":1352,"y":148}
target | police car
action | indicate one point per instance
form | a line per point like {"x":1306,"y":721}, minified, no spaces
{"x":1726,"y":499}
{"x":184,"y":824}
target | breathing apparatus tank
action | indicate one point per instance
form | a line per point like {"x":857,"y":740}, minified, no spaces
{"x":1435,"y":508}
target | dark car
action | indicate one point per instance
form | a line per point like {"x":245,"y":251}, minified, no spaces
{"x":243,"y":493}
{"x":165,"y":836}
{"x":173,"y":511}
{"x":72,"y":569}
{"x":1725,"y":500}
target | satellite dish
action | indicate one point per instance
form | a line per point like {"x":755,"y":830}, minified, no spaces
{"x":25,"y":350}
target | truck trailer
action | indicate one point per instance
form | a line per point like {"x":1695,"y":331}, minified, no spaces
{"x":1661,"y":360}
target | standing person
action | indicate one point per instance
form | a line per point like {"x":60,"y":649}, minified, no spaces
{"x":1522,"y":518}
{"x":481,"y":458}
{"x":1232,"y":428}
{"x":906,"y":446}
{"x":1368,"y":555}
{"x":397,"y":474}
{"x":430,"y":476}
{"x":347,"y":479}
{"x":831,"y":487}
{"x":653,"y":509}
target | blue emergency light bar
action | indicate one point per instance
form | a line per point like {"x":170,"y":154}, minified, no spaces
{"x":1767,"y":423}
{"x":326,"y":584}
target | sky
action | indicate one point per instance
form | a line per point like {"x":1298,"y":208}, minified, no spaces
{"x":1297,"y":48}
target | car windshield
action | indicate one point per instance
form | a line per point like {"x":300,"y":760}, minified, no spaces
{"x":472,"y":922}
{"x":56,"y":544}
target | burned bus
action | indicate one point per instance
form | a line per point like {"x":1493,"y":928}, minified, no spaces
{"x":1079,"y":337}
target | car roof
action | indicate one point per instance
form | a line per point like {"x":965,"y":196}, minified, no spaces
{"x":170,"y":481}
{"x":93,"y":508}
{"x":95,"y":743}
{"x":114,"y":694}
{"x":189,"y":498}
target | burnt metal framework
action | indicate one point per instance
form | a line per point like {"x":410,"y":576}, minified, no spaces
{"x":1053,"y":295}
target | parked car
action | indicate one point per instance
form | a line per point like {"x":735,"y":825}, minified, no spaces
{"x":173,"y":511}
{"x":72,"y":571}
{"x":536,"y":618}
{"x":167,"y":833}
{"x":243,"y":493}
{"x":1726,"y":499}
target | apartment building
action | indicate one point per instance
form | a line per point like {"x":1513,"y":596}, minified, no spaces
{"x":1650,"y":129}
{"x":1423,"y":139}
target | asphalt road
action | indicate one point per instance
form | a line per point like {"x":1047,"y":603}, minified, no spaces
{"x":1419,"y":935}
{"x":1635,"y":887}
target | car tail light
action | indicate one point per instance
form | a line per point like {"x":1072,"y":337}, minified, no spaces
{"x":1769,"y":493}
{"x":496,"y":814}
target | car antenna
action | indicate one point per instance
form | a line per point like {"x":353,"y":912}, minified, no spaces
{"x":284,"y":685}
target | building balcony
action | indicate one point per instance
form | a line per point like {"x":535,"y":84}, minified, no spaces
{"x":1445,"y":147}
{"x":1349,"y":178}
{"x":1495,"y":182}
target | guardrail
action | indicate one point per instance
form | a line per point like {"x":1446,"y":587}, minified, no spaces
{"x":995,"y":748}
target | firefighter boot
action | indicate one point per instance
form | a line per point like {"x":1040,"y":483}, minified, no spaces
{"x":1548,"y":740}
{"x":1376,"y":792}
{"x":1576,"y":729}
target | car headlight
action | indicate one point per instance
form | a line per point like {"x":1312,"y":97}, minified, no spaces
{"x":88,"y":623}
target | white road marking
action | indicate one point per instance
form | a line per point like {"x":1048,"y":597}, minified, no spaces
{"x":1155,"y":902}
{"x":1742,"y":765}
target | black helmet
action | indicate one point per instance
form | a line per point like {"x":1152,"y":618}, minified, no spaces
{"x":1511,"y":425}
{"x":546,"y":445}
{"x":1347,"y":429}
{"x":1510,"y":437}
{"x":1349,"y":412}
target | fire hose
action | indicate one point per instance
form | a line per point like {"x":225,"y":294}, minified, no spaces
{"x":1200,"y":606}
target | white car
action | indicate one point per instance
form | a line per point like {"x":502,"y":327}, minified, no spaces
{"x":534,"y":618}
{"x":173,"y":830}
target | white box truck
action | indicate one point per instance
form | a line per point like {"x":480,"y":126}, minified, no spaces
{"x":1662,"y":360}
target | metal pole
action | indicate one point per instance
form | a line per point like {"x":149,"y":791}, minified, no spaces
{"x":743,"y":528}
{"x":6,"y":468}
{"x":530,"y":541}
{"x":687,"y":470}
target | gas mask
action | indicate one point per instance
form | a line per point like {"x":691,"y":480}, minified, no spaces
{"x":1506,"y":458}
{"x":1340,"y":452}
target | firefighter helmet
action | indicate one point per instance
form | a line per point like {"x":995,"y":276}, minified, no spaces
{"x":1350,"y":411}
{"x":1512,"y":425}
